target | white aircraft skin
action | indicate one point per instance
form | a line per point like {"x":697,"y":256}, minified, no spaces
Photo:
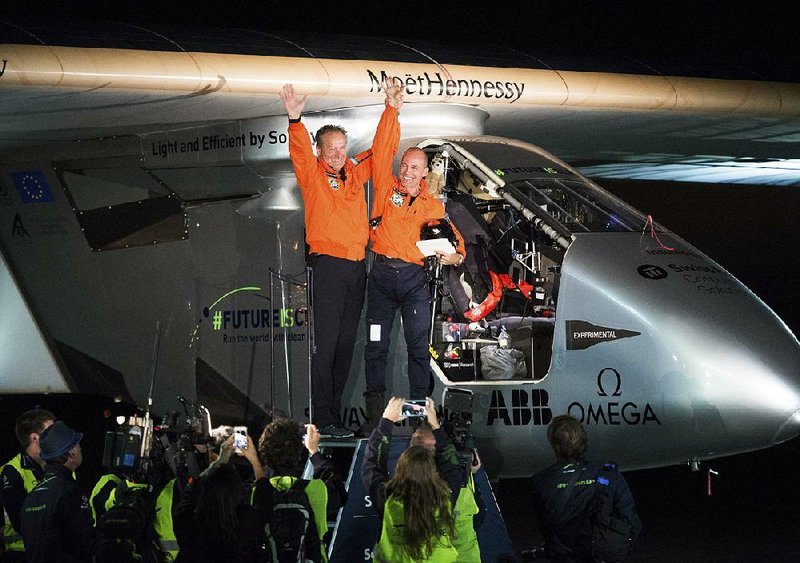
{"x":140,"y":186}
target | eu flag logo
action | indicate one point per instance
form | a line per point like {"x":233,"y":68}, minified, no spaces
{"x":32,"y":186}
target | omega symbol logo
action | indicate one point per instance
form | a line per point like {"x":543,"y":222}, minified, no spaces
{"x":609,"y":378}
{"x":611,"y":411}
{"x":651,"y":272}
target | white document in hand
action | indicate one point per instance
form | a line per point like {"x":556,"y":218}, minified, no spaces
{"x":429,"y":247}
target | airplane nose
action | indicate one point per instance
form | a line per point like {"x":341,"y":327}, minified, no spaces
{"x":744,"y":362}
{"x":789,"y":429}
{"x":725,"y":367}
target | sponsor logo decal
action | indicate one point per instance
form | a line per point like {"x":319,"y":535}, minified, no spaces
{"x":706,"y":278}
{"x":652,"y":272}
{"x":255,"y":318}
{"x":678,"y":268}
{"x":608,"y":411}
{"x":709,"y":280}
{"x":581,"y":334}
{"x":524,"y":408}
{"x":434,"y":84}
{"x":165,"y":147}
{"x":248,"y":325}
{"x":614,"y":378}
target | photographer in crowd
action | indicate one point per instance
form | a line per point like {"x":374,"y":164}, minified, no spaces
{"x":469,"y":508}
{"x":416,"y":505}
{"x":212,"y":521}
{"x":293,"y":504}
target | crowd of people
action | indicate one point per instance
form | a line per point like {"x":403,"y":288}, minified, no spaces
{"x":429,"y":507}
{"x":215,"y":516}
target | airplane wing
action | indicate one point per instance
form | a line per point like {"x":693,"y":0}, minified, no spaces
{"x":616,"y":120}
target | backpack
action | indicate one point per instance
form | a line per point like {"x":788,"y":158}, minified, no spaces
{"x":126,"y":529}
{"x":291,"y":533}
{"x":601,"y":533}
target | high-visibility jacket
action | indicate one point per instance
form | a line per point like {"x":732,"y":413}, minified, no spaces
{"x":391,"y":548}
{"x":101,"y":492}
{"x":317,"y":494}
{"x":334,"y":201}
{"x":11,"y":537}
{"x":163,"y":521}
{"x":112,"y":497}
{"x":122,"y":489}
{"x":466,"y":540}
{"x":401,"y":219}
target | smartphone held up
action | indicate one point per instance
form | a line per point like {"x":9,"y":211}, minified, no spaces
{"x":240,"y":438}
{"x":414,"y":408}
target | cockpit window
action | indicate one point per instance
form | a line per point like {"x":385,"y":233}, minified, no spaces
{"x":578,"y":206}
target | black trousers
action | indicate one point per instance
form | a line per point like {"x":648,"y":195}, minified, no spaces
{"x":338,"y":297}
{"x":391,"y":288}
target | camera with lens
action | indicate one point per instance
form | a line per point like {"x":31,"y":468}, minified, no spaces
{"x":152,"y":452}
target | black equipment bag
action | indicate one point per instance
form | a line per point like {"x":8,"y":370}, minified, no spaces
{"x":126,"y":529}
{"x":291,"y":532}
{"x":601,"y":534}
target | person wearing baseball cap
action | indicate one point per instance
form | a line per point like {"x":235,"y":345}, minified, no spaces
{"x":56,"y":518}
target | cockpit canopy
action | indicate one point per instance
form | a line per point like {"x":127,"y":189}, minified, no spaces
{"x":518,"y":209}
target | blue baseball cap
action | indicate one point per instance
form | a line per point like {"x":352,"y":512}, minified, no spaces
{"x":57,"y":440}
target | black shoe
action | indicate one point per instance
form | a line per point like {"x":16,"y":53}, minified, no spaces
{"x":335,"y":431}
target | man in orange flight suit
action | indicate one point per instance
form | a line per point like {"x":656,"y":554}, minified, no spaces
{"x":332,"y":186}
{"x":397,"y":278}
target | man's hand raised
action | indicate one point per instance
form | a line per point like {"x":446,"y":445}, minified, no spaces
{"x":293,"y":103}
{"x":394,"y":89}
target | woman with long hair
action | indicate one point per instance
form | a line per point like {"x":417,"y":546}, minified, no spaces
{"x":415,"y":504}
{"x":211,"y":520}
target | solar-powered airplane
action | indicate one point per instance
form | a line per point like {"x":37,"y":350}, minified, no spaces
{"x":144,"y":177}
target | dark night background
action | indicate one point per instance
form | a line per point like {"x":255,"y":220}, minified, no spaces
{"x":750,"y":34}
{"x":753,"y":513}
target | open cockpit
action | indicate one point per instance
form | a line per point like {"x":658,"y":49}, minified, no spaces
{"x":518,"y":209}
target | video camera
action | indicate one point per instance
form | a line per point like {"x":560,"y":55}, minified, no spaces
{"x":150,"y":452}
{"x":457,"y":404}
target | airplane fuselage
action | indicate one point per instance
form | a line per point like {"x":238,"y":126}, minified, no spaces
{"x":658,"y":350}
